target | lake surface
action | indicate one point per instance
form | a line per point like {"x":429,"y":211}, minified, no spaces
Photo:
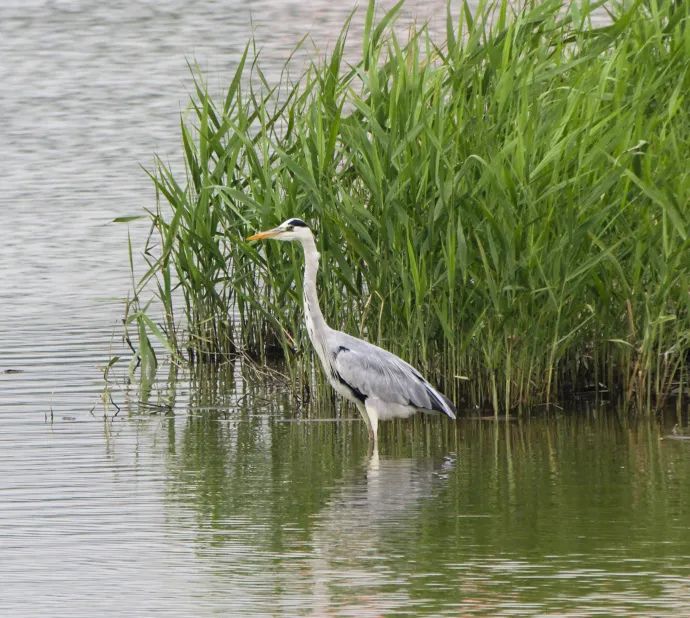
{"x":249,"y":510}
{"x":232,"y":498}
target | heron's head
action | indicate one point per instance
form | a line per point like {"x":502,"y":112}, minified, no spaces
{"x":292,"y":229}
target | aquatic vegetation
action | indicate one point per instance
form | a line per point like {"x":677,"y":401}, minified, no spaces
{"x":508,"y":209}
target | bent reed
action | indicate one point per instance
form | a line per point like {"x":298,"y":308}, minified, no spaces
{"x":509,"y":210}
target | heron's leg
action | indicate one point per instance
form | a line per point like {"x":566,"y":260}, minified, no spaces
{"x":365,"y":416}
{"x":373,"y":462}
{"x":372,"y":417}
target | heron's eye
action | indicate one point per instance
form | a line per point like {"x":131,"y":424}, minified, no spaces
{"x":289,"y":228}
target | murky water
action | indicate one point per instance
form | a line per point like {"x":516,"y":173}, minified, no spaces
{"x":248,"y":511}
{"x":234,"y":499}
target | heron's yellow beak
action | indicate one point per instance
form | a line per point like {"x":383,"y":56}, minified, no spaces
{"x":263,"y":235}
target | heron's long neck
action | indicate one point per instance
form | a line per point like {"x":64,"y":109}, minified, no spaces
{"x":316,"y":325}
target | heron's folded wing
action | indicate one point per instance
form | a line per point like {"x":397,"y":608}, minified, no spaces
{"x":373,"y":372}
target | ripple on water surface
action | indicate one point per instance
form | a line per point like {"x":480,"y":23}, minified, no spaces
{"x":237,"y":511}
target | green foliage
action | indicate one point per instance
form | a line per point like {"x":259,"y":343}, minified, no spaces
{"x":509,"y":210}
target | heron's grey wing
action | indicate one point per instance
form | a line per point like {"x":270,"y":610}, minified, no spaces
{"x":370,"y":371}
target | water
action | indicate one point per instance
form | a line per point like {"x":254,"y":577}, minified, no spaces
{"x":247,"y":512}
{"x":234,"y":499}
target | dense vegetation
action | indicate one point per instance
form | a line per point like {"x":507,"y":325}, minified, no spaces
{"x":508,"y":209}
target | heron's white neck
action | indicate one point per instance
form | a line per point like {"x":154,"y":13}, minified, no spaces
{"x":316,"y":325}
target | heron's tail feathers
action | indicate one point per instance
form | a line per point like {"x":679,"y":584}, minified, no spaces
{"x":441,"y":403}
{"x":452,"y":410}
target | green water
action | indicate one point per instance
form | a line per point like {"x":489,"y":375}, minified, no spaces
{"x":546,"y":516}
{"x":244,"y":502}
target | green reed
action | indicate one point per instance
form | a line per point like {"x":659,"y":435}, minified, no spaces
{"x":509,"y":209}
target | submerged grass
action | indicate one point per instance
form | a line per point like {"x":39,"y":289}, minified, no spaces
{"x":509,"y":210}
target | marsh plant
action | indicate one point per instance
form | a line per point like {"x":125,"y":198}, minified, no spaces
{"x":508,"y":208}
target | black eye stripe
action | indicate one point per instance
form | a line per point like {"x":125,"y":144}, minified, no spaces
{"x":296,"y":223}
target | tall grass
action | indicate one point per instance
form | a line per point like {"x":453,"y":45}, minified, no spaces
{"x":509,"y":209}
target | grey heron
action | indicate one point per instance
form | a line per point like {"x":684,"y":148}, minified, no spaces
{"x":379,"y":383}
